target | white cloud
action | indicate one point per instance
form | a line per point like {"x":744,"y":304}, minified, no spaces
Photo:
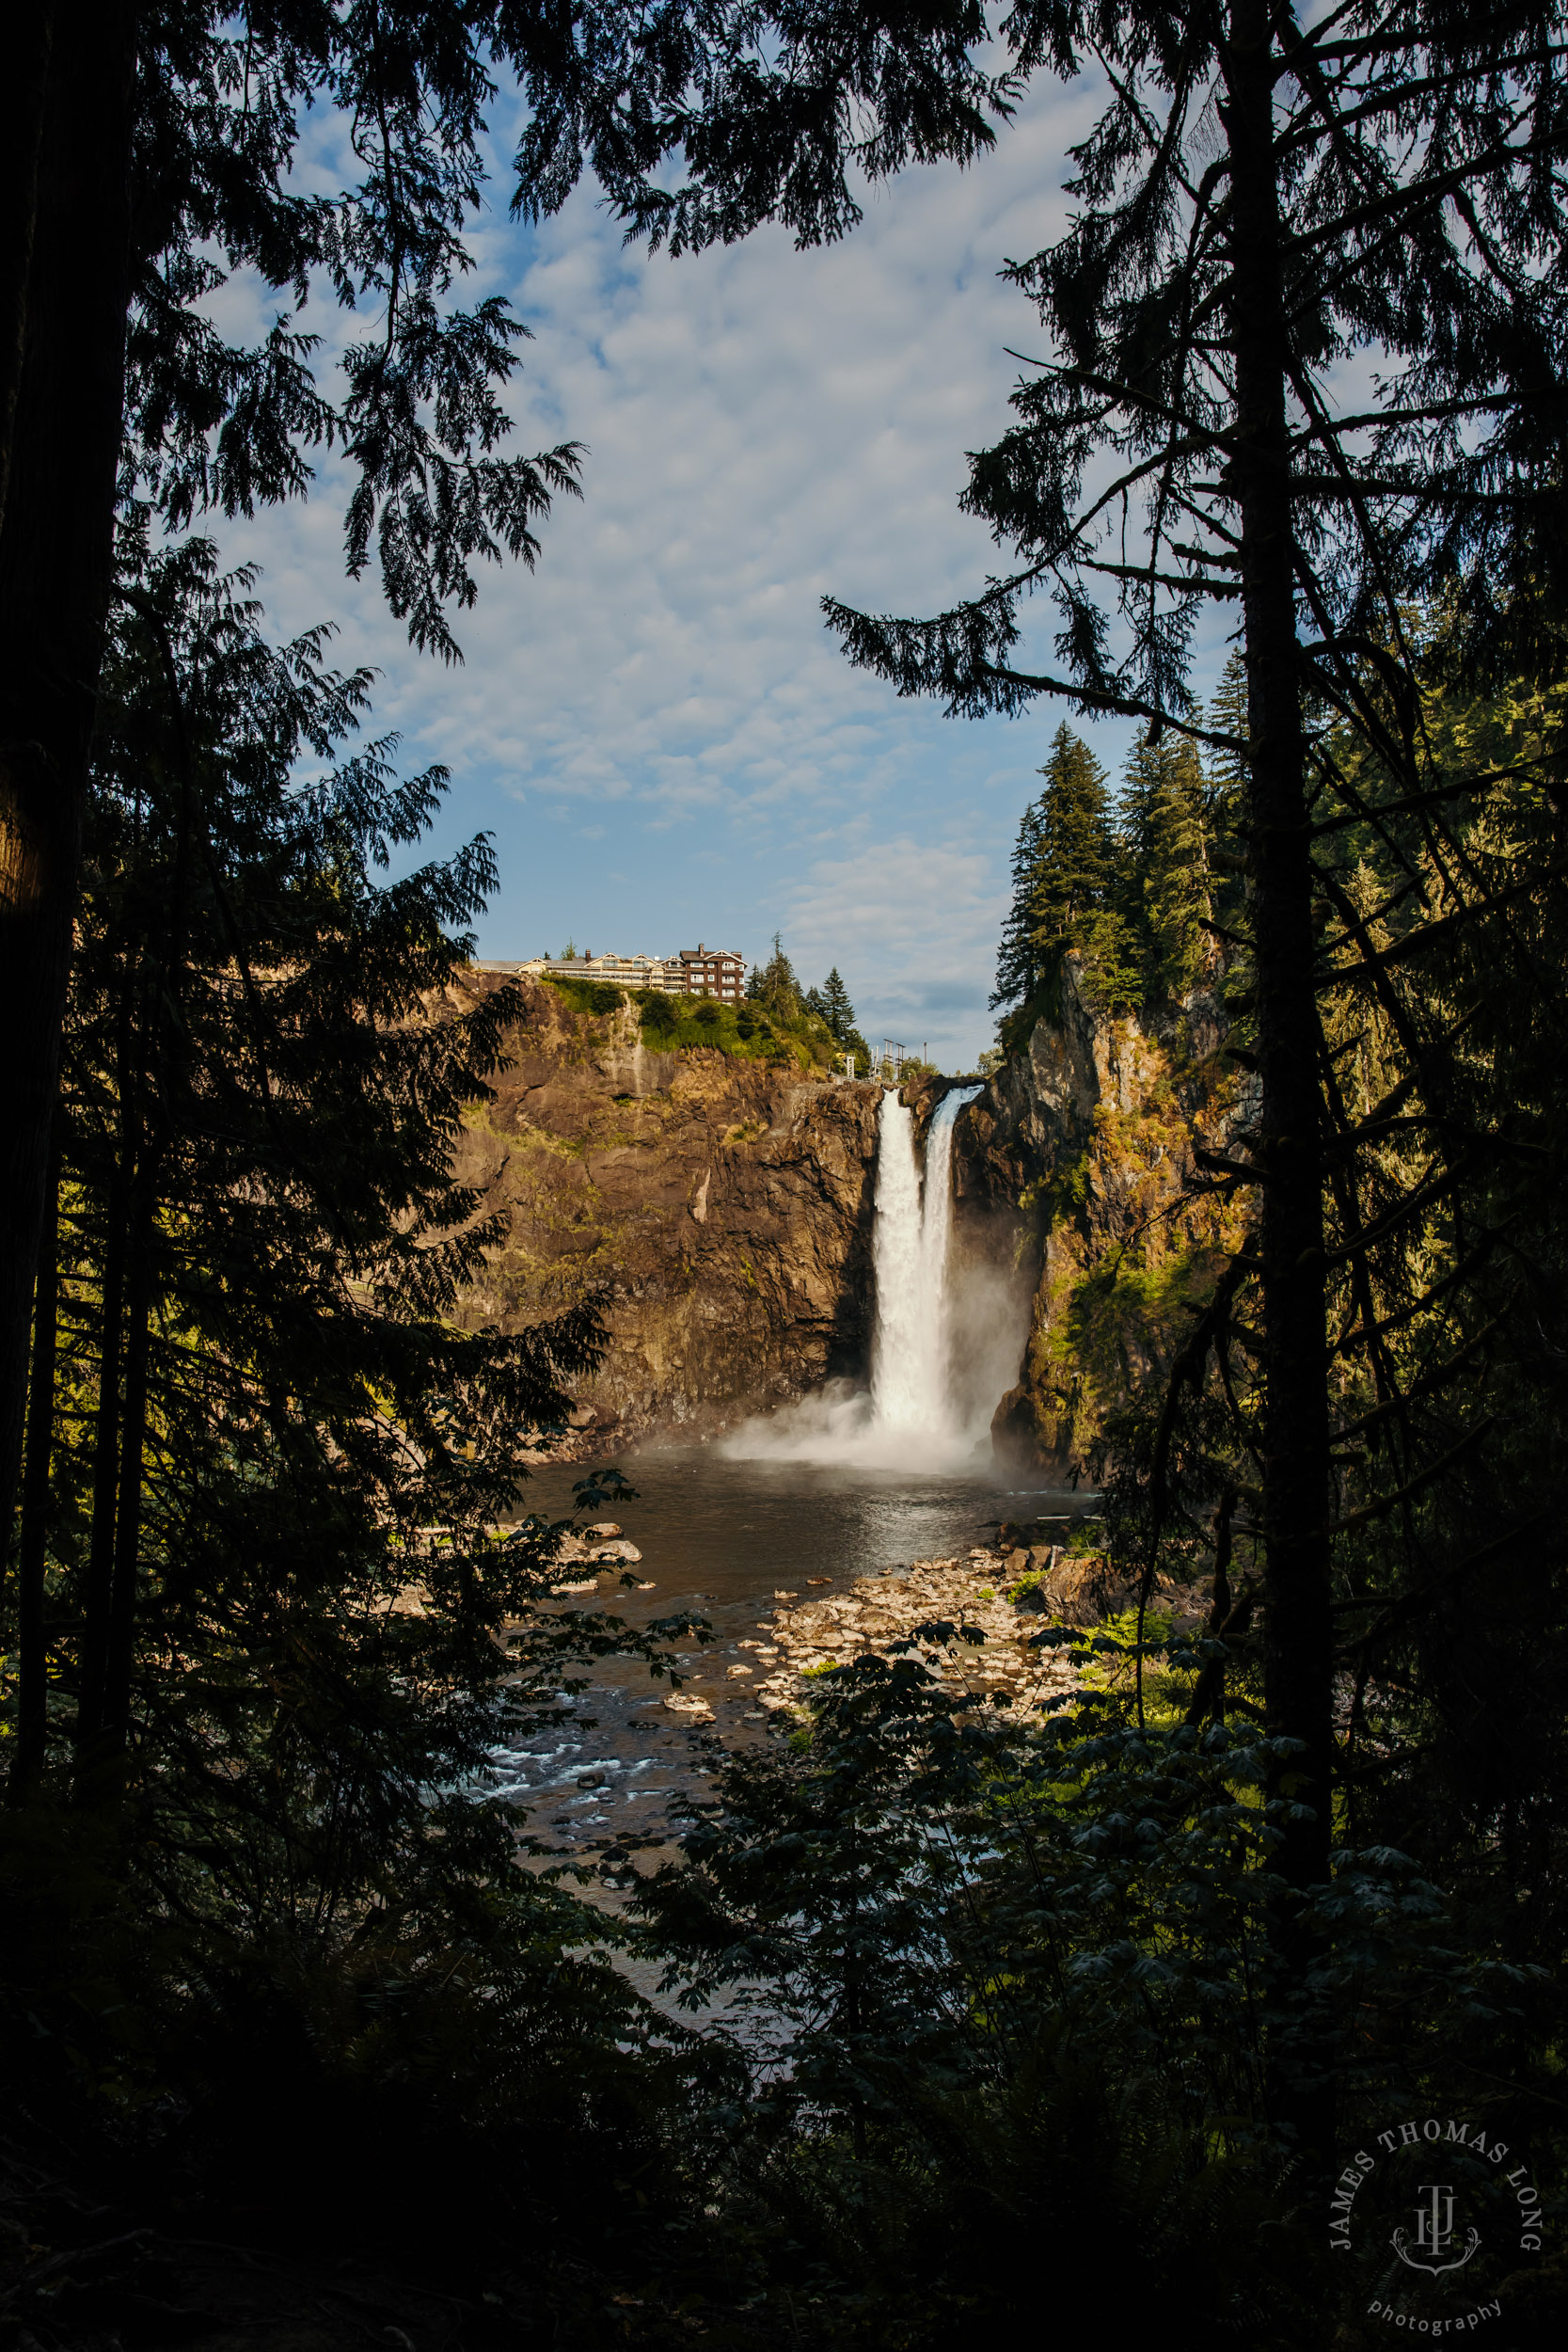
{"x":763,"y":426}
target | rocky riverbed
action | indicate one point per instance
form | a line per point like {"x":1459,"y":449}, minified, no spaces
{"x":607,"y":1788}
{"x":975,"y":1621}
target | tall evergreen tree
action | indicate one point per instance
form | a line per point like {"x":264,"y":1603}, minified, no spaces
{"x":1227,"y":767}
{"x":1065,"y":866}
{"x":149,"y":154}
{"x":1227,"y":760}
{"x":773,"y":985}
{"x":1077,"y":846}
{"x":266,"y":1397}
{"x":1194,"y":311}
{"x":1018,"y":967}
{"x":1166,"y":824}
{"x":837,"y":1012}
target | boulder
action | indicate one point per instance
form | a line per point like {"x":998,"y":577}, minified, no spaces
{"x":1084,"y":1589}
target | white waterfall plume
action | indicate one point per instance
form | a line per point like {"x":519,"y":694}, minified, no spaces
{"x":911,"y":1386}
{"x":912,"y":1419}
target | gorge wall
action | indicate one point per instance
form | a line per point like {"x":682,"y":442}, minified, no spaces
{"x":1078,"y":1161}
{"x":723,"y":1208}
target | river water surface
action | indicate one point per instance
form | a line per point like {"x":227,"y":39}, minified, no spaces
{"x":845,"y":1484}
{"x":730,"y":1539}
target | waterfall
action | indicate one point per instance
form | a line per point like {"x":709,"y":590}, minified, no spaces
{"x":911,"y":1371}
{"x":913,"y":1419}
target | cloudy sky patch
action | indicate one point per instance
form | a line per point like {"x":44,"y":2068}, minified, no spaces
{"x":654,"y":724}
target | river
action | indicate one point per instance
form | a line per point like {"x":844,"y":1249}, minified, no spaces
{"x":853,"y":1482}
{"x":728,"y":1537}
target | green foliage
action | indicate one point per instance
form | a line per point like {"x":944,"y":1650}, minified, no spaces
{"x":657,"y":1013}
{"x":992,"y":1966}
{"x":836,"y":1010}
{"x":419,"y":406}
{"x":831,"y":1005}
{"x":596,"y":996}
{"x":1165,"y":828}
{"x":1006,"y":1968}
{"x":1064,"y":869}
{"x":1130,"y":893}
{"x":774,"y":987}
{"x":773,"y":1021}
{"x":251,"y":1866}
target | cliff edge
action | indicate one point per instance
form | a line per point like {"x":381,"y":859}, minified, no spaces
{"x":1087,"y":1136}
{"x":722,"y":1207}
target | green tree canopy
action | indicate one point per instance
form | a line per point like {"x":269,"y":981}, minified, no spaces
{"x":837,"y":1012}
{"x":1018,"y":962}
{"x":774,"y":987}
{"x":1165,"y":828}
{"x":1064,"y":869}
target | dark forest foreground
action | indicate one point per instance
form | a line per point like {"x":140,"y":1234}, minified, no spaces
{"x":1130,"y":1990}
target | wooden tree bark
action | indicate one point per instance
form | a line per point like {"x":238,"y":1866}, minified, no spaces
{"x":56,"y":573}
{"x":98,"y":1584}
{"x":24,"y":93}
{"x":32,"y":1723}
{"x":1298,"y":1628}
{"x":120,"y":1649}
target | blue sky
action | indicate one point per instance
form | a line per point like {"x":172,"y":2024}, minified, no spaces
{"x":655,"y":725}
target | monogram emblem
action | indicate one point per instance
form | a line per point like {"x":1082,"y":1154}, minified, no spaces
{"x":1434,"y":2235}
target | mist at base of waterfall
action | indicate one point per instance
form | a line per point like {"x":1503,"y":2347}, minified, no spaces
{"x":839,"y":1426}
{"x":947,"y":1340}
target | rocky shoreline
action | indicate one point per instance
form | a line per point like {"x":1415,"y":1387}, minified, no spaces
{"x":629,"y":1779}
{"x":975,"y":1622}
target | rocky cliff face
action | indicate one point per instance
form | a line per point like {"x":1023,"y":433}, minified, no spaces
{"x":723,"y":1208}
{"x":1085,"y":1140}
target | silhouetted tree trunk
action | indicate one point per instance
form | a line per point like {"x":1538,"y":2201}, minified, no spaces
{"x":23,"y":92}
{"x":120,"y":1647}
{"x":32,"y":1660}
{"x":56,"y":575}
{"x":1298,"y":1626}
{"x":97,"y":1584}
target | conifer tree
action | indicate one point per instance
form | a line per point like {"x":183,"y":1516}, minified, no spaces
{"x":837,"y":1012}
{"x":774,"y":986}
{"x":1077,"y":846}
{"x":1226,"y":766}
{"x":1065,"y":865}
{"x":263,"y":1394}
{"x":1017,"y":969}
{"x":1256,"y":201}
{"x":1227,"y":762}
{"x":1165,"y":825}
{"x":149,"y":159}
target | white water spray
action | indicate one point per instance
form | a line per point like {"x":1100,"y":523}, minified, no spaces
{"x":911,"y":1388}
{"x":914,"y":1418}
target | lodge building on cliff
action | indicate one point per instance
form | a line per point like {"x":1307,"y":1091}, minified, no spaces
{"x":699,"y":971}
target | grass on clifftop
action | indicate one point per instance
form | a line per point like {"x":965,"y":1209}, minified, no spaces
{"x":745,"y":1030}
